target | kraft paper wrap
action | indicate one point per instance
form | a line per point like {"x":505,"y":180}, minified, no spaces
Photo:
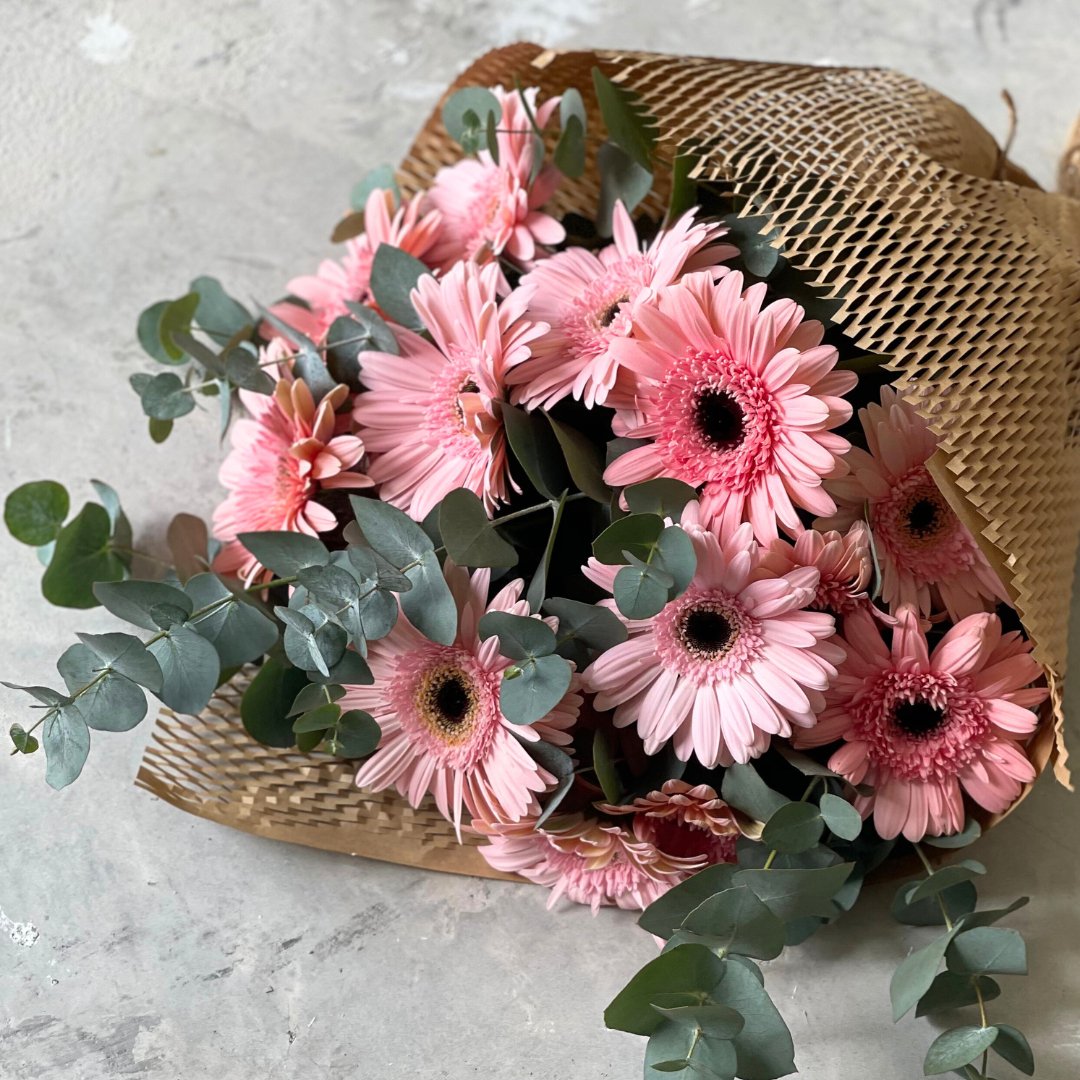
{"x":948,"y":258}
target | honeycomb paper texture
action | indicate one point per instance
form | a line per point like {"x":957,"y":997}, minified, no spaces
{"x":948,"y":259}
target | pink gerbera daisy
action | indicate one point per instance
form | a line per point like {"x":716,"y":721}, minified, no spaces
{"x":443,"y":731}
{"x":842,"y":561}
{"x":430,"y":416}
{"x":328,"y":291}
{"x":920,"y":727}
{"x":685,"y":821}
{"x":739,"y":398}
{"x":282,"y":459}
{"x":590,"y":299}
{"x":585,"y":861}
{"x":725,"y":666}
{"x":490,"y":208}
{"x":928,"y":558}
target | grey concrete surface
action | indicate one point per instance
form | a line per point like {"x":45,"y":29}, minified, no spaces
{"x":144,"y":141}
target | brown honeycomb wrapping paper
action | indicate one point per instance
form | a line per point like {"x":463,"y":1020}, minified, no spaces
{"x":948,"y":259}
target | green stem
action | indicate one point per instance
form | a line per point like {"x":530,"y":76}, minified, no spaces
{"x":195,"y":616}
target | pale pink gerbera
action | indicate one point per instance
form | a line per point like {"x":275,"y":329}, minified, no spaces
{"x":491,"y":208}
{"x":283,"y":457}
{"x":725,"y":666}
{"x":430,"y":416}
{"x":739,"y":398}
{"x":921,"y":727}
{"x":685,"y":821}
{"x":329,"y":290}
{"x":928,"y":558}
{"x":585,"y":861}
{"x":438,"y":707}
{"x":590,"y":299}
{"x":842,"y":561}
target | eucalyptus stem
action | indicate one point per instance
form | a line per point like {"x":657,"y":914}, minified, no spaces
{"x":980,"y":1000}
{"x":195,"y":616}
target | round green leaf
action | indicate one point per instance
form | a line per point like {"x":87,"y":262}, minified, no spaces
{"x":957,"y":1047}
{"x":641,"y":591}
{"x":793,"y":828}
{"x":664,"y":497}
{"x":945,"y":878}
{"x":265,"y":705}
{"x":318,"y":719}
{"x":636,"y":533}
{"x":66,"y":739}
{"x":134,"y":601}
{"x":80,"y":559}
{"x":164,"y":397}
{"x":24,"y":742}
{"x":358,"y":735}
{"x":841,"y":817}
{"x":127,"y":656}
{"x":34,"y":513}
{"x":538,"y":688}
{"x":189,"y":669}
{"x":470,"y":99}
{"x":520,"y":636}
{"x":988,"y":950}
{"x":584,"y":629}
{"x":1012,"y":1045}
{"x":394,"y":274}
{"x":469,"y":535}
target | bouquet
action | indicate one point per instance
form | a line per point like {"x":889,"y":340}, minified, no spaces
{"x":626,"y":492}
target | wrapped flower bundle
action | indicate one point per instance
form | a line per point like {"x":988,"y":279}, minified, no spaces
{"x":653,"y":501}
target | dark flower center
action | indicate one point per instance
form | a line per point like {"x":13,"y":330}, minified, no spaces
{"x":607,"y":316}
{"x":720,"y":418}
{"x":448,"y":701}
{"x":707,"y":632}
{"x":924,"y":518}
{"x":918,"y":718}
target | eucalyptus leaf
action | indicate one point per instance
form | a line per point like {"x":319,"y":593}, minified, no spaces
{"x":535,"y":691}
{"x":792,"y":894}
{"x":664,"y":497}
{"x":312,"y":641}
{"x":189,"y":668}
{"x":34,"y":513}
{"x":840,"y":816}
{"x":165,"y":397}
{"x":81,"y":558}
{"x":265,"y":705}
{"x":536,"y":449}
{"x":237,"y":629}
{"x":622,"y":180}
{"x":583,"y":460}
{"x":357,"y":735}
{"x":66,"y":740}
{"x":641,"y":592}
{"x":285,"y":553}
{"x":176,"y":316}
{"x":470,"y":537}
{"x":737,"y":921}
{"x":381,"y":178}
{"x":916,"y":973}
{"x":689,"y":968}
{"x":127,"y":656}
{"x":585,"y":630}
{"x":743,"y":789}
{"x":318,"y":719}
{"x":951,"y":991}
{"x":560,"y":765}
{"x":956,"y":900}
{"x":24,"y":742}
{"x":217,"y":313}
{"x":607,"y":776}
{"x":462,"y":127}
{"x":1012,"y":1045}
{"x":242,"y":369}
{"x":988,"y":950}
{"x":133,"y":601}
{"x":315,"y":695}
{"x":957,"y":1047}
{"x":971,"y":832}
{"x":793,"y":827}
{"x":148,"y":332}
{"x":662,"y":916}
{"x":627,"y":122}
{"x":635,"y":533}
{"x":521,"y":637}
{"x":945,"y":878}
{"x":394,"y":274}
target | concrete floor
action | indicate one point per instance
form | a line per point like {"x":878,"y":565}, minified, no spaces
{"x":145,"y":141}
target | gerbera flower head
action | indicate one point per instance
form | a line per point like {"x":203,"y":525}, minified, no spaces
{"x":928,"y":558}
{"x":842,"y":560}
{"x":412,"y":228}
{"x":922,"y":727}
{"x":429,"y":417}
{"x":285,"y":453}
{"x":443,"y":731}
{"x":492,"y":208}
{"x":725,"y":666}
{"x":585,"y":861}
{"x":685,"y":821}
{"x":736,"y":397}
{"x":589,"y":299}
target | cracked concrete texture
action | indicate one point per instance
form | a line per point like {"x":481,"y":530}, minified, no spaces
{"x":145,"y":142}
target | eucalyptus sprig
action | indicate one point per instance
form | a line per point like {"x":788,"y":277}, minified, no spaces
{"x":973,"y":949}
